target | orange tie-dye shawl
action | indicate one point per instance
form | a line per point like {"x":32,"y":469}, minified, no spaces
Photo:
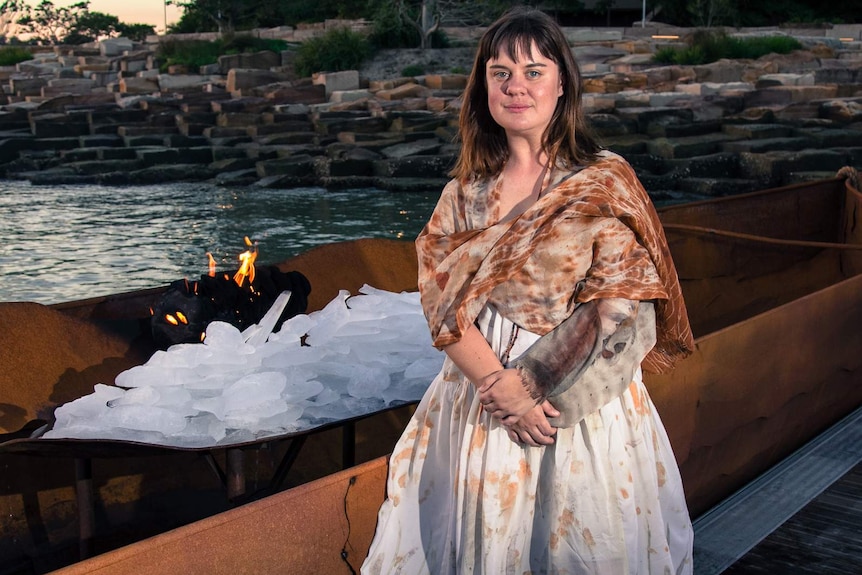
{"x":459,"y":269}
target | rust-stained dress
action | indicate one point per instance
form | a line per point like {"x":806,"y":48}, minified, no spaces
{"x":606,"y":497}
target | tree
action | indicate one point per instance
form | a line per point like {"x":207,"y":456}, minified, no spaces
{"x":91,"y":26}
{"x":220,"y":14}
{"x":427,"y":21}
{"x":46,"y":22}
{"x":10,"y":12}
{"x":707,"y":13}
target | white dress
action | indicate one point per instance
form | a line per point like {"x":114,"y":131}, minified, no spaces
{"x":463,"y":498}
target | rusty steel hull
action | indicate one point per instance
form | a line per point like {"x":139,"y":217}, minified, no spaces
{"x":775,"y":299}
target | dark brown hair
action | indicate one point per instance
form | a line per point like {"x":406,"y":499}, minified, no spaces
{"x":567,"y":140}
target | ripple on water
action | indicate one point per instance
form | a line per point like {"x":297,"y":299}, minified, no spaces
{"x":61,"y":243}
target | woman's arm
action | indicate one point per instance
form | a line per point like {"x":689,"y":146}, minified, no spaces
{"x":476,"y":360}
{"x":558,"y":359}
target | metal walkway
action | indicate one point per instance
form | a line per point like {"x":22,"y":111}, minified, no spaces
{"x":803,"y":516}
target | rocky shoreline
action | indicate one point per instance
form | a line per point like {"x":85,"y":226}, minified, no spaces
{"x":105,"y":115}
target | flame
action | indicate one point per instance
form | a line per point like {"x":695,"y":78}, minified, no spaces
{"x":246,"y":268}
{"x":171,"y":319}
{"x":212,"y":265}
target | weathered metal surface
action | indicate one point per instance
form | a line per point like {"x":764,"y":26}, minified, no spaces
{"x":753,"y":392}
{"x":319,"y":527}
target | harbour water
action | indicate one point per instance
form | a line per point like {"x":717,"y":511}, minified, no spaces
{"x":72,"y":242}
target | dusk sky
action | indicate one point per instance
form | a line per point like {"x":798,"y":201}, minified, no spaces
{"x":130,"y":11}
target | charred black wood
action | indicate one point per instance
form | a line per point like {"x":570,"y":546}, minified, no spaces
{"x":186,"y":308}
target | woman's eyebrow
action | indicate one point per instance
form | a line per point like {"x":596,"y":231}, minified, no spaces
{"x":528,"y":65}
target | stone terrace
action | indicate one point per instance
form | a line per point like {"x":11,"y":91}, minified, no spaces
{"x":106,"y":115}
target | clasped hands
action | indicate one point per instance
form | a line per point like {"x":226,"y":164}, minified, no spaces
{"x":504,"y":396}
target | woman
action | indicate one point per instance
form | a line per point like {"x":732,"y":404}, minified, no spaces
{"x":546,"y":279}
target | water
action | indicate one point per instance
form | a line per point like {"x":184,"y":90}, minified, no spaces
{"x":65,"y":243}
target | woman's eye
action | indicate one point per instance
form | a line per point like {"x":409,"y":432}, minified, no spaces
{"x":500,"y":75}
{"x":533,"y":74}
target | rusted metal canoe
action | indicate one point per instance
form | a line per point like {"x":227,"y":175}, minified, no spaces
{"x":773,"y":285}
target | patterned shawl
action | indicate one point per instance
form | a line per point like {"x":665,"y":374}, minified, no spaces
{"x":459,"y":267}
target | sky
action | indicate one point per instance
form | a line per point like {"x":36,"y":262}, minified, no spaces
{"x":130,"y":11}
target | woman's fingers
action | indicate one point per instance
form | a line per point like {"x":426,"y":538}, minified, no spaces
{"x":550,"y":410}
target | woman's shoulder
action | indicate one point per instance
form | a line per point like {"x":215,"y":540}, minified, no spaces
{"x":608,"y":160}
{"x":602,"y":172}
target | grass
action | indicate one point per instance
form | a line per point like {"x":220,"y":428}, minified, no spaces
{"x":11,"y":55}
{"x":705,"y":47}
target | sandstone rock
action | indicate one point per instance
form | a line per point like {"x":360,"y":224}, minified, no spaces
{"x":238,"y":119}
{"x":768,"y":80}
{"x":409,"y":90}
{"x":170,"y":173}
{"x":349,"y":95}
{"x":762,"y":145}
{"x":757,"y":131}
{"x":300,"y":165}
{"x":630,"y":63}
{"x":297,"y":94}
{"x":24,"y":86}
{"x":715,"y":187}
{"x":626,"y":145}
{"x":365,"y":124}
{"x":844,"y":111}
{"x":415,"y":148}
{"x":249,"y":104}
{"x":100,"y":141}
{"x":414,"y":166}
{"x":446,"y":81}
{"x":388,"y":84}
{"x":115,"y":46}
{"x":116,"y":154}
{"x":722,"y":71}
{"x":772,"y":168}
{"x":241,"y":79}
{"x":686,"y":147}
{"x":644,"y":116}
{"x":263,"y":60}
{"x":336,"y":81}
{"x":139,"y":85}
{"x":179,"y":82}
{"x":824,"y":138}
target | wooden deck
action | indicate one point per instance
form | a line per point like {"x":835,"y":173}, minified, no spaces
{"x":823,"y":538}
{"x":803,"y":517}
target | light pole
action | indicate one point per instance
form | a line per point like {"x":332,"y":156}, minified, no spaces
{"x":643,"y":15}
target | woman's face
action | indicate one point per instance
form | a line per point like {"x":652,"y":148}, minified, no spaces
{"x":523,"y":93}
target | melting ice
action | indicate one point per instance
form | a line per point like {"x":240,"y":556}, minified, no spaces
{"x":361,"y":354}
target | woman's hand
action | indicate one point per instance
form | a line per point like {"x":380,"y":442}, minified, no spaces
{"x":533,"y":428}
{"x":504,"y":396}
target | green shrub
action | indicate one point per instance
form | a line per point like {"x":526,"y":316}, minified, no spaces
{"x":11,"y":55}
{"x":338,"y":49}
{"x":190,"y":53}
{"x":665,"y":55}
{"x":706,"y":46}
{"x":413,"y":70}
{"x":197,"y":53}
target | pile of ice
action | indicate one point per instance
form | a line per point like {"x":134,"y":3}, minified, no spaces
{"x":361,"y":354}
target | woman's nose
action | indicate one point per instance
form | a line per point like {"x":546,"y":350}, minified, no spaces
{"x":514,"y":85}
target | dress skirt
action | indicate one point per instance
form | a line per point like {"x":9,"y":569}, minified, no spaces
{"x":606,"y":498}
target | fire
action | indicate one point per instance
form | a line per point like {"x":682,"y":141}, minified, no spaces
{"x":212,"y":265}
{"x":246,"y":268}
